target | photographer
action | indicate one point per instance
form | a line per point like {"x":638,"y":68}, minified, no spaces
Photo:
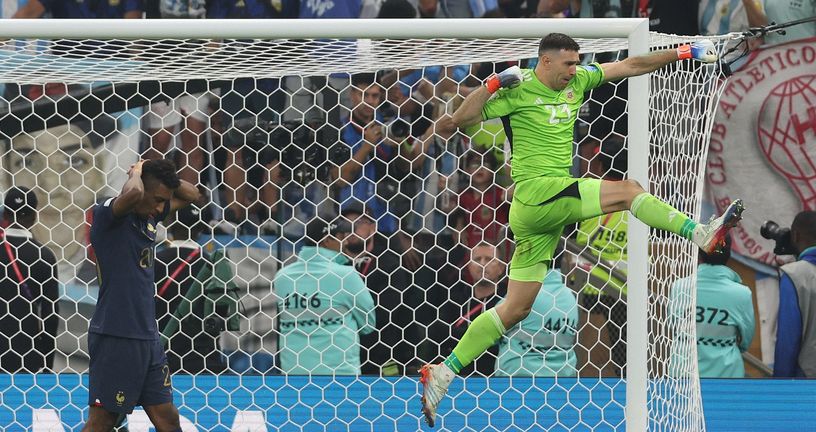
{"x":324,"y":306}
{"x":795,"y":354}
{"x":381,"y":156}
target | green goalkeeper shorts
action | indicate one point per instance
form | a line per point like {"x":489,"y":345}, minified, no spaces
{"x":541,"y":208}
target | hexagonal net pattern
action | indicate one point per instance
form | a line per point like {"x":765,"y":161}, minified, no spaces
{"x":347,"y":233}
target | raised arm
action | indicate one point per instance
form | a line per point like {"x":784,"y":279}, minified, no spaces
{"x":470,"y":112}
{"x":132,"y":192}
{"x":756,"y":16}
{"x":349,"y":171}
{"x":703,"y":51}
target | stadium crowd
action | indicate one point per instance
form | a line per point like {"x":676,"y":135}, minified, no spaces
{"x":398,"y":219}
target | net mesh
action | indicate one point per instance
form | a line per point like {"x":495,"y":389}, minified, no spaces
{"x":263,"y":127}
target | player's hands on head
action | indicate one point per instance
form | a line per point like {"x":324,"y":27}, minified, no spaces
{"x":136,"y":169}
{"x":702,"y":50}
{"x":508,"y":78}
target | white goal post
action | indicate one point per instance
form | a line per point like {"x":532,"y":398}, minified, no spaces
{"x":415,"y":49}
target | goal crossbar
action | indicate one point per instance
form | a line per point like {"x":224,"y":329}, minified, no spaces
{"x":316,"y":29}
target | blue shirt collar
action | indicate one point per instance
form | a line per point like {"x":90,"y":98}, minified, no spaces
{"x":309,"y":253}
{"x":808,"y":253}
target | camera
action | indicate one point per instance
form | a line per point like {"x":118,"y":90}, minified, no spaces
{"x":397,"y":129}
{"x":303,"y":149}
{"x":781,"y":235}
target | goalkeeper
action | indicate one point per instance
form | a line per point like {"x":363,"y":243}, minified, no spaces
{"x":540,"y":107}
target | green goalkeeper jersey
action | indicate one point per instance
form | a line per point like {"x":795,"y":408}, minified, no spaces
{"x":542,"y":121}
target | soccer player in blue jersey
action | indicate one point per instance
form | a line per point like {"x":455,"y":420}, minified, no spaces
{"x":128,"y":366}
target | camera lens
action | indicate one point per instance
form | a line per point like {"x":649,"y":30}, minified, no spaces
{"x":769,"y":230}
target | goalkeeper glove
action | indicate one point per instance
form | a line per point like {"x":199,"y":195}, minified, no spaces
{"x":702,"y":50}
{"x":509,"y":78}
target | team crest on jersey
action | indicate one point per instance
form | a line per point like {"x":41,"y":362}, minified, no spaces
{"x":151,"y":228}
{"x":120,"y":398}
{"x":569,"y":94}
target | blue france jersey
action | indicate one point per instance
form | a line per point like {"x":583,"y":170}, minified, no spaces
{"x":88,"y":9}
{"x":124,"y":249}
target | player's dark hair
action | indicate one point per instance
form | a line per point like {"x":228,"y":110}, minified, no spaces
{"x":162,"y":170}
{"x":804,"y":225}
{"x":557,"y":42}
{"x":720,"y":256}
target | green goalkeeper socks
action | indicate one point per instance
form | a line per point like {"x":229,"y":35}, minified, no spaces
{"x":482,"y":334}
{"x":658,"y":214}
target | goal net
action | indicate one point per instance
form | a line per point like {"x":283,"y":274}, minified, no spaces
{"x":275,"y":131}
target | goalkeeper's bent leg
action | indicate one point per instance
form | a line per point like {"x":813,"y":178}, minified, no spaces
{"x":658,"y":214}
{"x":488,"y":327}
{"x":708,"y":237}
{"x":482,"y":334}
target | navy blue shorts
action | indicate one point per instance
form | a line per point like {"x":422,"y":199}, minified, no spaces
{"x":127,"y":372}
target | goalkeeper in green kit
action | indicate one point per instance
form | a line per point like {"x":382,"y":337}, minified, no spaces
{"x":539,"y":108}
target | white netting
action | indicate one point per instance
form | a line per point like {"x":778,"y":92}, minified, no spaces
{"x":266,"y":134}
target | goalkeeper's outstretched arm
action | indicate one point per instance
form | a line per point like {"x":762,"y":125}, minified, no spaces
{"x":470,"y":112}
{"x":703,"y":51}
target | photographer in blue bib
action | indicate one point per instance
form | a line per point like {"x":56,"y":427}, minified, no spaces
{"x":324,"y":305}
{"x":724,"y":316}
{"x":795,"y":353}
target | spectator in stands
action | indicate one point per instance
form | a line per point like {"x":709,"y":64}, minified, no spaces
{"x":392,"y":348}
{"x":482,"y":286}
{"x":719,"y":17}
{"x":543,"y":343}
{"x":724,"y":314}
{"x":672,"y":16}
{"x":587,"y":8}
{"x":392,"y":9}
{"x":456,"y":8}
{"x":380,"y":157}
{"x":245,"y":104}
{"x":783,"y":11}
{"x":65,"y":166}
{"x":331,"y":9}
{"x":193,"y":347}
{"x":324,"y":306}
{"x":795,"y":354}
{"x":189,"y":113}
{"x":604,"y":241}
{"x":29,"y":290}
{"x":363,"y":134}
{"x":81,"y":9}
{"x":483,"y":208}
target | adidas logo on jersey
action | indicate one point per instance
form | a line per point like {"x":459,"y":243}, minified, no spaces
{"x":538,"y":101}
